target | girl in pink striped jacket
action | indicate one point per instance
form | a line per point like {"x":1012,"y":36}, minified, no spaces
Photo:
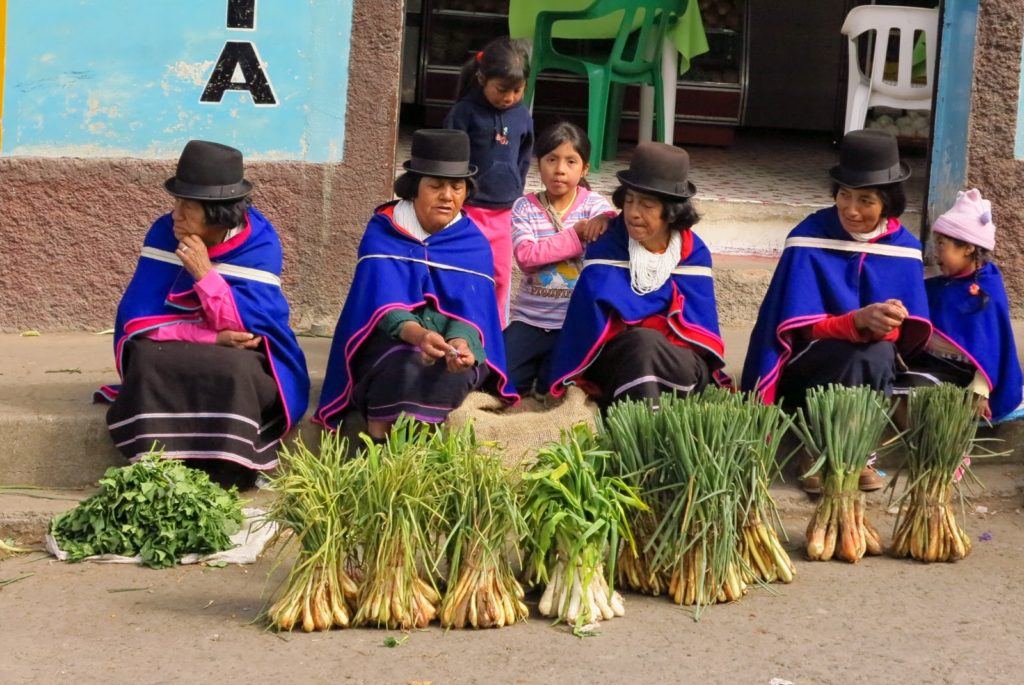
{"x":550,"y":230}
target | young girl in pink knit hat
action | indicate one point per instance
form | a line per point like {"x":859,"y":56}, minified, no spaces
{"x":972,"y":343}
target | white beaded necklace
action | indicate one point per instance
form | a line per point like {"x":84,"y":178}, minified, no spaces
{"x":648,"y":270}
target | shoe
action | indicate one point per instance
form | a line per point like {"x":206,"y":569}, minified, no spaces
{"x":811,"y":484}
{"x":871,"y":480}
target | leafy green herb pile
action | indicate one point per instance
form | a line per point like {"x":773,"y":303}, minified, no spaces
{"x":157,"y":508}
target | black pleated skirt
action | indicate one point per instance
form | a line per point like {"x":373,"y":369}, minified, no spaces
{"x":821,"y":362}
{"x":392,"y":379}
{"x":641,"y":363}
{"x":194,"y":401}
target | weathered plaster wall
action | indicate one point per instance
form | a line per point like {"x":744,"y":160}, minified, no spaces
{"x":992,"y":166}
{"x":70,"y":229}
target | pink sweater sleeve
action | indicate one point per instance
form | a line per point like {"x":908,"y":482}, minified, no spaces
{"x":533,"y":254}
{"x":218,"y":303}
{"x":219,"y":312}
{"x":185,"y":332}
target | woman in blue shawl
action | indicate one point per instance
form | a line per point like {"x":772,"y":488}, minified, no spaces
{"x":210,"y":370}
{"x":419,"y":330}
{"x":847,"y":302}
{"x":642,"y":319}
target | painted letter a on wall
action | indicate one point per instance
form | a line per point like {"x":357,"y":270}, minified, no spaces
{"x":239,"y":67}
{"x":88,"y":78}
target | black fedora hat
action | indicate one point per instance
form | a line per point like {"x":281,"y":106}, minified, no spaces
{"x":869,"y":158}
{"x":440,"y":152}
{"x":208,"y":171}
{"x":660,"y":169}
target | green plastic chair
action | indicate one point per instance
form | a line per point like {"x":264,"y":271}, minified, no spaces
{"x":641,"y":32}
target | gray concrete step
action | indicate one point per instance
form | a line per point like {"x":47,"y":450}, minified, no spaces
{"x":54,"y":436}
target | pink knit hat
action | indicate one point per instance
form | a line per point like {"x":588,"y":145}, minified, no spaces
{"x":969,"y":220}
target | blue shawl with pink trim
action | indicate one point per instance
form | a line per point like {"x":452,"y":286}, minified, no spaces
{"x":161,"y":294}
{"x":453,"y":270}
{"x":687,"y":299}
{"x":824,"y":272}
{"x":981,"y":330}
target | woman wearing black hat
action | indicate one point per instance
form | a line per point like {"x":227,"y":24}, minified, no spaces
{"x":847,"y":298}
{"x":419,"y":329}
{"x":642,"y":319}
{"x":210,"y":369}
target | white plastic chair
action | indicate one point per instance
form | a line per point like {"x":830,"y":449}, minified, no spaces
{"x":868,"y":90}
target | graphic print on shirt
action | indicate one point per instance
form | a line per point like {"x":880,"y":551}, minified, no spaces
{"x":555,"y":280}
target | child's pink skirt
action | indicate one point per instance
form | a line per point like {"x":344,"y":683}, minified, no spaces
{"x":496,"y":225}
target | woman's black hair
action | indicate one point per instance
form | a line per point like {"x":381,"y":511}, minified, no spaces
{"x":894,"y":199}
{"x":408,"y":185}
{"x":680,"y":214}
{"x":564,"y":132}
{"x":225,"y":213}
{"x":503,"y":58}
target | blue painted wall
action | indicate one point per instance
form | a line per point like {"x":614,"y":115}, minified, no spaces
{"x":116,"y":78}
{"x":952,"y":107}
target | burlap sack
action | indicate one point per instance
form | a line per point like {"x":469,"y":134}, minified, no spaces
{"x":520,"y":431}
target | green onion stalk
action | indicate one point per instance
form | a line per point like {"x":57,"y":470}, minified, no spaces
{"x":576,"y":514}
{"x":315,"y":504}
{"x":765,"y":559}
{"x":400,"y":518}
{"x":842,"y":428}
{"x":484,"y":525}
{"x":10,"y":548}
{"x":941,"y":435}
{"x":632,"y":430}
{"x":698,"y":535}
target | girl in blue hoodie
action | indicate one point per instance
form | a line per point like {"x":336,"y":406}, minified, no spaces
{"x":490,"y":110}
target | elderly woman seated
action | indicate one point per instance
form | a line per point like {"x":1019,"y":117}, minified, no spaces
{"x":642,"y":319}
{"x":419,"y":330}
{"x":847,"y":298}
{"x":210,"y":369}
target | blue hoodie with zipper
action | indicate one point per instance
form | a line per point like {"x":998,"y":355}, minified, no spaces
{"x":501,"y":142}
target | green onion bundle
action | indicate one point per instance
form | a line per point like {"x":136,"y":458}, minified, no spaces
{"x":942,"y":425}
{"x":698,"y":536}
{"x":483,"y":519}
{"x":765,"y":559}
{"x":316,"y":496}
{"x":399,"y":516}
{"x":632,"y":430}
{"x":576,"y":514}
{"x":842,"y":428}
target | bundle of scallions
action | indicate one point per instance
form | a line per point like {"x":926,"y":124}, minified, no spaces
{"x":940,"y":438}
{"x":399,"y":513}
{"x":764,"y":557}
{"x":842,"y":428}
{"x":576,"y":514}
{"x":484,"y":526}
{"x":633,"y":431}
{"x":316,"y":496}
{"x":698,"y":536}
